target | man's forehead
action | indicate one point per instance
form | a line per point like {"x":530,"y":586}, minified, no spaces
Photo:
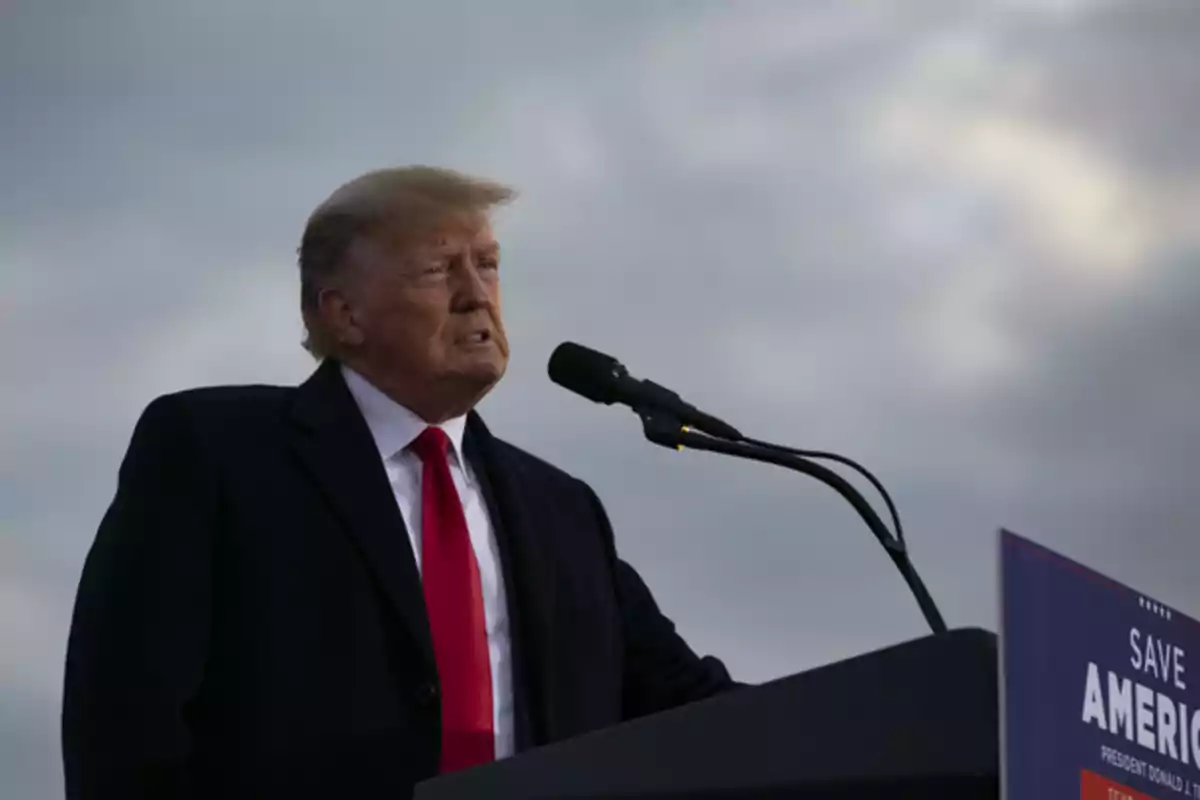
{"x":479,"y":236}
{"x":474,"y":231}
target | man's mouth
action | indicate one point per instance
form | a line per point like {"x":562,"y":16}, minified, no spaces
{"x":479,"y":337}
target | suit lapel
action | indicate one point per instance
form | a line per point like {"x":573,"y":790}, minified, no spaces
{"x":528,"y":578}
{"x":334,"y":444}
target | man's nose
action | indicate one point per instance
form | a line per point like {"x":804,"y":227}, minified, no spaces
{"x":472,"y":289}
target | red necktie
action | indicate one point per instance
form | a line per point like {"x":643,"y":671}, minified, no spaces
{"x":454,"y":604}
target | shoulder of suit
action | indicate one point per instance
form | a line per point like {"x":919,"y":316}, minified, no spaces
{"x":234,"y":406}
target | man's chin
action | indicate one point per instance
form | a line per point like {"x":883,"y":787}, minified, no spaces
{"x":481,"y":375}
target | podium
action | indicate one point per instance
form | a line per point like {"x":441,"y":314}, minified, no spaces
{"x":916,"y":720}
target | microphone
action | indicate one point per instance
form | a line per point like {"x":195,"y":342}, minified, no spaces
{"x":670,"y":422}
{"x":602,"y":379}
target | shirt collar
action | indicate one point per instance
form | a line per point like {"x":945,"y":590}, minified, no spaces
{"x":393,"y":426}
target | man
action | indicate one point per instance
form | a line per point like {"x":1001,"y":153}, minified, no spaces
{"x":346,"y":587}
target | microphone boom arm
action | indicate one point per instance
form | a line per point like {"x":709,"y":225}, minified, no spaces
{"x":664,"y":429}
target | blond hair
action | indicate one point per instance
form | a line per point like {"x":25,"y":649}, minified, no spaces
{"x":405,"y":200}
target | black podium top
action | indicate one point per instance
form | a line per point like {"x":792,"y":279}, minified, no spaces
{"x":916,"y":720}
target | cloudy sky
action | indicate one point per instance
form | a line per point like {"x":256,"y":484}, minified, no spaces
{"x":955,"y":240}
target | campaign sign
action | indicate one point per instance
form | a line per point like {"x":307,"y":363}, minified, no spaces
{"x":1100,"y":685}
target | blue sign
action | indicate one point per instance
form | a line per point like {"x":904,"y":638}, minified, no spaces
{"x":1100,"y":685}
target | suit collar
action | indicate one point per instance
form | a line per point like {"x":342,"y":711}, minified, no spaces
{"x":393,"y":426}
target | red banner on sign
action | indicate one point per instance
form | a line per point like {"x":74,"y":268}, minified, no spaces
{"x":1098,"y":787}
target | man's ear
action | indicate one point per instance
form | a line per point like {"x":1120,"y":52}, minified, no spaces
{"x":338,"y":314}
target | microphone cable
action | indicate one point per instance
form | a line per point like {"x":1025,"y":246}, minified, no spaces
{"x":822,"y":455}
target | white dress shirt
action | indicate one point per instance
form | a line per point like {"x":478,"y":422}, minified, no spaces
{"x":394,"y":428}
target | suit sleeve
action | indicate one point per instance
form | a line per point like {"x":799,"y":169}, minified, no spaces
{"x":138,"y":640}
{"x":661,"y":669}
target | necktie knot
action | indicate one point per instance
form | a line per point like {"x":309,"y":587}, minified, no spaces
{"x":431,"y":445}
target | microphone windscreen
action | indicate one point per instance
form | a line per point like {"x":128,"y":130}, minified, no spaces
{"x":585,"y":372}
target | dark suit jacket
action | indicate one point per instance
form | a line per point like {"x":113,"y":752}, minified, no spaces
{"x":250,"y":618}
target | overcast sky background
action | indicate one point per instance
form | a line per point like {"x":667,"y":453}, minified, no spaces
{"x":955,"y":240}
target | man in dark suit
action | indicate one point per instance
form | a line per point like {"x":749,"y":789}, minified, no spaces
{"x":349,"y":586}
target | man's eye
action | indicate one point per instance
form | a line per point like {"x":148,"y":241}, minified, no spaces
{"x":489,"y":265}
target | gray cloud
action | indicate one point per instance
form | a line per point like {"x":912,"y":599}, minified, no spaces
{"x":956,"y":243}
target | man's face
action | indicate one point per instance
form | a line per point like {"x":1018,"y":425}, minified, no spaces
{"x":426,"y":316}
